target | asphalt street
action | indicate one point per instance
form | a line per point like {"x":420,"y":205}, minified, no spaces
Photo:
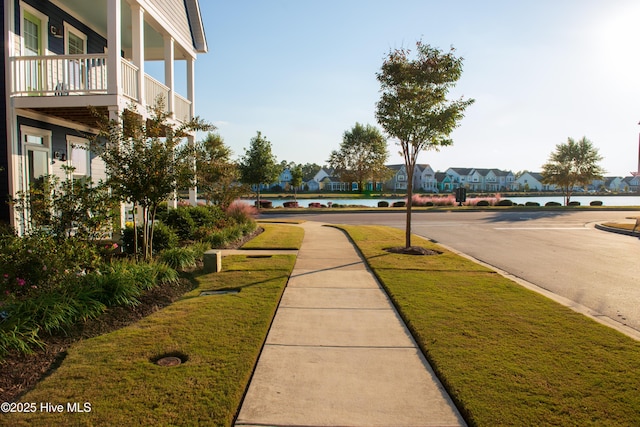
{"x":557,"y":251}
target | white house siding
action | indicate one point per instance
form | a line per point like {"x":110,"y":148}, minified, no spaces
{"x":173,"y":15}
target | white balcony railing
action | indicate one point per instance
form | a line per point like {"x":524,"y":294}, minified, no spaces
{"x":154,"y":91}
{"x":181,"y":108}
{"x":58,"y":75}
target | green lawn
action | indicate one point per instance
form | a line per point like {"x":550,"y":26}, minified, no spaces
{"x":277,"y":236}
{"x":507,"y":355}
{"x":221,"y":336}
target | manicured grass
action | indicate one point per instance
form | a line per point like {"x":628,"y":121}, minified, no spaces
{"x":221,"y":336}
{"x":508,"y":356}
{"x":277,"y":236}
{"x":623,"y":226}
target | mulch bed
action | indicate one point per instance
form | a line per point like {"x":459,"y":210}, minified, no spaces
{"x":19,"y":372}
{"x":412,"y":250}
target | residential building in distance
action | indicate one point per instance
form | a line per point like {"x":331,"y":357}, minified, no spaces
{"x":62,"y":57}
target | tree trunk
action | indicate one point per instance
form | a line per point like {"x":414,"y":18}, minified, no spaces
{"x":407,"y":235}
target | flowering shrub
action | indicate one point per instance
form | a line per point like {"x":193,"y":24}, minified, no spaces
{"x":42,"y":262}
{"x":241,"y":212}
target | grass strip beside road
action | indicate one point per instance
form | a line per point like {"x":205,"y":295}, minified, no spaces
{"x":507,"y":355}
{"x":277,"y":236}
{"x":221,"y":335}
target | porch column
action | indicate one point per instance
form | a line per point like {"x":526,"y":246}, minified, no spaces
{"x":114,"y":37}
{"x":193,"y":191}
{"x":169,"y":70}
{"x":191,"y":86}
{"x":137,"y":35}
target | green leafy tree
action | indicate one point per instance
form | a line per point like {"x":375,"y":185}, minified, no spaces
{"x":69,"y":208}
{"x":258,"y":165}
{"x":146,"y":162}
{"x":572,"y":164}
{"x":413,"y":107}
{"x":296,"y":180}
{"x":216,"y":173}
{"x":309,"y":170}
{"x":362,"y":155}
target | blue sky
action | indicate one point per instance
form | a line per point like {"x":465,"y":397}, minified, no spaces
{"x":303,"y":72}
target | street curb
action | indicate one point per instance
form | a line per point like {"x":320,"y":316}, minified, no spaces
{"x":617,"y":230}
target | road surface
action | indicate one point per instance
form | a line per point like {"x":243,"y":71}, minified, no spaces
{"x":558,"y":251}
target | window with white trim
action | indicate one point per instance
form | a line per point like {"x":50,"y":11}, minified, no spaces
{"x":79,"y":156}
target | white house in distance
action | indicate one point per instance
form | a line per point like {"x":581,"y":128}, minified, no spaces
{"x":532,"y":181}
{"x":63,"y":56}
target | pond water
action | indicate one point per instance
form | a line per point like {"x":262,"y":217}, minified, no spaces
{"x":373,"y":202}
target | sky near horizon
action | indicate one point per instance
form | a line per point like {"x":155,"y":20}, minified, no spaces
{"x":302,"y":72}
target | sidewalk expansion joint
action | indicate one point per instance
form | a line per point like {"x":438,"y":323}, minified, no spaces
{"x":338,"y":308}
{"x":376,"y":347}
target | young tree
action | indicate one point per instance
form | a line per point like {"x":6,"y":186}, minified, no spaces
{"x":572,"y":164}
{"x":146,"y":162}
{"x":362,"y":155}
{"x":296,"y":180}
{"x":258,"y":165}
{"x":216,"y":174}
{"x":414,"y":108}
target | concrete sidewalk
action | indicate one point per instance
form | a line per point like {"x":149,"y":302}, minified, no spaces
{"x":338,"y":354}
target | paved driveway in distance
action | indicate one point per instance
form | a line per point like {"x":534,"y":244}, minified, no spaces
{"x":558,"y":251}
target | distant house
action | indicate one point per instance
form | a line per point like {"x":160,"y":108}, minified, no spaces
{"x":532,"y":181}
{"x":613,"y":183}
{"x":314,"y":183}
{"x":444,"y":182}
{"x":631,"y":184}
{"x":428,"y":181}
{"x":478,"y":179}
{"x":458,"y":177}
{"x":399,"y":180}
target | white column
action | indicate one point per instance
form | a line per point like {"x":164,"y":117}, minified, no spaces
{"x":114,"y":44}
{"x":137,"y":36}
{"x":193,"y":191}
{"x":169,"y":69}
{"x":191,"y":86}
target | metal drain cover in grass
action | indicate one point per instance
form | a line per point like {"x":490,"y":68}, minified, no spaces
{"x":220,"y":292}
{"x":169,"y":361}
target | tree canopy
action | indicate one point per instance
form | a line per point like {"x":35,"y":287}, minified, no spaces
{"x":572,"y":164}
{"x":413,"y":106}
{"x":146,"y":161}
{"x":259,"y":165}
{"x":362,"y":155}
{"x":216,"y":173}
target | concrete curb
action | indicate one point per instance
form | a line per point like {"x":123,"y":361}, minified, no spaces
{"x":617,"y":230}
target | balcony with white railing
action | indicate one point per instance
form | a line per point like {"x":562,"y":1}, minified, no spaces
{"x":69,"y":75}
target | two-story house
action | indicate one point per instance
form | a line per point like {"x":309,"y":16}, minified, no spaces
{"x":62,"y":57}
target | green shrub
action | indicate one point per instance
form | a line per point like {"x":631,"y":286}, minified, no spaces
{"x":179,"y":258}
{"x":163,"y":238}
{"x":532,"y":204}
{"x":180,"y":221}
{"x":595,"y":203}
{"x":483,"y":203}
{"x":116,"y":286}
{"x":504,"y":202}
{"x":573,"y":204}
{"x":553,"y":204}
{"x":383,"y":204}
{"x":19,"y":336}
{"x":38,"y":263}
{"x":165,"y":274}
